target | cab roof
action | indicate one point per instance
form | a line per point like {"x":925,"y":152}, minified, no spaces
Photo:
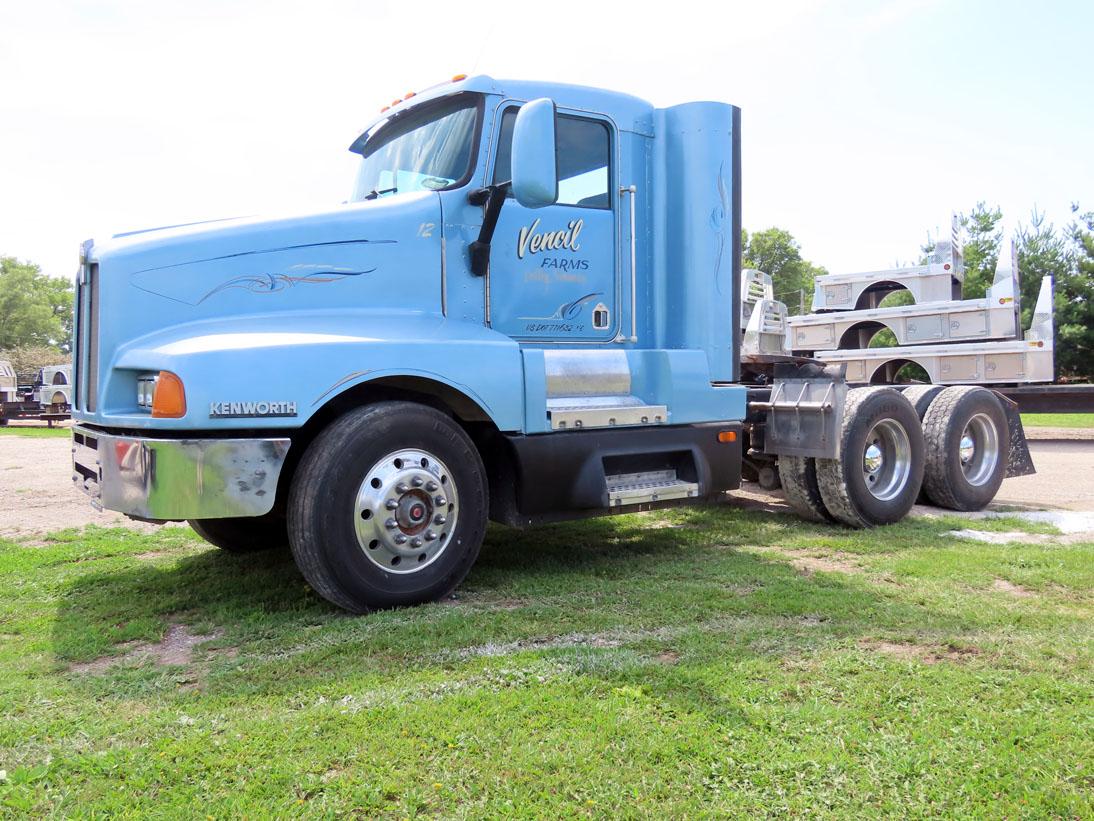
{"x":629,"y":113}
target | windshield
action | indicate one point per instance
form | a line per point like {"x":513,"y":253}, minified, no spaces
{"x":422,"y":150}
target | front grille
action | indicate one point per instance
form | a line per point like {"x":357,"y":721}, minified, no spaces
{"x":93,"y":337}
{"x":87,"y":339}
{"x":77,"y":329}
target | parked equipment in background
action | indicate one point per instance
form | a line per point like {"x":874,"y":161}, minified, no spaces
{"x":531,"y":310}
{"x":955,"y":341}
{"x":48,"y":399}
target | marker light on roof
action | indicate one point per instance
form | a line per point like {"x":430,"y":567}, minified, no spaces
{"x":385,"y":108}
{"x":409,"y":94}
{"x":459,"y":77}
{"x":396,"y":102}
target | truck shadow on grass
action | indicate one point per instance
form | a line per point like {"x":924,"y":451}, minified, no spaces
{"x":623,"y":599}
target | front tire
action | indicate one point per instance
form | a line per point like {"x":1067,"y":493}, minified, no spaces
{"x":877,"y":476}
{"x":388,"y":507}
{"x":244,"y":534}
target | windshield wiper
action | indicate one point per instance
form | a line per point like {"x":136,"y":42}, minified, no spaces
{"x":373,"y":194}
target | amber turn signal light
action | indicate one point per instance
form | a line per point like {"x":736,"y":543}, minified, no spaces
{"x":169,"y":400}
{"x":727,"y":436}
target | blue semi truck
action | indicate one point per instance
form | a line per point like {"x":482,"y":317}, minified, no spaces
{"x":530,"y":310}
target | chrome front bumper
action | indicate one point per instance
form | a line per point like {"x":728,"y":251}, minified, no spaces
{"x":173,"y":479}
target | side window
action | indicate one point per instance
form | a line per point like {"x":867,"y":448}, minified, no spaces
{"x":584,"y":159}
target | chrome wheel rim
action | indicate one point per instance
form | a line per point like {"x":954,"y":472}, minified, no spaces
{"x":978,"y":450}
{"x":886,"y":460}
{"x":406,"y":510}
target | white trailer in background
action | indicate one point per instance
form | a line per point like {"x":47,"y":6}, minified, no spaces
{"x":53,"y":388}
{"x":9,"y":385}
{"x":49,"y":399}
{"x":955,"y":341}
{"x":1009,"y":361}
{"x":938,"y":281}
{"x":996,"y":316}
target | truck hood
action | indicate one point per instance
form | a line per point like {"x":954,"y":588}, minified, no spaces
{"x":384,"y":255}
{"x":168,"y":247}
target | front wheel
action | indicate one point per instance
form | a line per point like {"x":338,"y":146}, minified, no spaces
{"x":243,"y":534}
{"x":388,"y":507}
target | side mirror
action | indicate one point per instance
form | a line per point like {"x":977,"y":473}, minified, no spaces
{"x":534,"y":163}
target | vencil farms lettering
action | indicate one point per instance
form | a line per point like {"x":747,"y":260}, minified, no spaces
{"x":532,"y":241}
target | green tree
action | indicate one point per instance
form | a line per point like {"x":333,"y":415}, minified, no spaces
{"x":983,"y":236}
{"x":1042,"y":252}
{"x":1074,"y":302}
{"x":776,"y":252}
{"x":35,"y":309}
{"x":1068,"y":257}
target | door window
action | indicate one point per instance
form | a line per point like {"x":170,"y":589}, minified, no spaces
{"x":584,"y":159}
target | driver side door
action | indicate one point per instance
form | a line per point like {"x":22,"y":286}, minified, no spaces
{"x":553,"y":271}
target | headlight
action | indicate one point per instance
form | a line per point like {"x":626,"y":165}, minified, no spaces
{"x":146,"y":389}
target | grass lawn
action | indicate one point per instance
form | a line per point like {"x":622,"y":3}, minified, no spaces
{"x":697,"y":662}
{"x":1058,"y":420}
{"x":39,"y":432}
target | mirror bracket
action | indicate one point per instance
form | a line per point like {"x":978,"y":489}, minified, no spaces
{"x":493,"y":197}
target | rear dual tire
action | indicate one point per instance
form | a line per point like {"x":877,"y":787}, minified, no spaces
{"x":920,"y":397}
{"x":968,"y":445}
{"x":877,"y":476}
{"x":953,"y":444}
{"x":798,"y":475}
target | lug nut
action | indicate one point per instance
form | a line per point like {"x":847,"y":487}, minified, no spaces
{"x":439,"y":519}
{"x":402,"y":487}
{"x":400,"y":539}
{"x":430,"y":535}
{"x":391,"y":524}
{"x":416,"y":481}
{"x":391,"y":504}
{"x":431,"y":486}
{"x":416,"y":542}
{"x":440,"y":501}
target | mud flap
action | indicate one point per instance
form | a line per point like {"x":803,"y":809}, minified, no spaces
{"x":804,"y":410}
{"x":1020,"y":462}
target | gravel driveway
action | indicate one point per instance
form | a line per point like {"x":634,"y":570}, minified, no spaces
{"x":37,"y":495}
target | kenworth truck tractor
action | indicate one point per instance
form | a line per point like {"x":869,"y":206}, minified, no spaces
{"x":530,"y":310}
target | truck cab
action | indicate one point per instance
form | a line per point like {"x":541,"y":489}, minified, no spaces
{"x":529,"y":310}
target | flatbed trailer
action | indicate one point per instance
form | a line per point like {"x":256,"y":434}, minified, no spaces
{"x":939,"y":280}
{"x":1051,"y":398}
{"x":994,"y":317}
{"x":955,"y":341}
{"x":1008,"y":362}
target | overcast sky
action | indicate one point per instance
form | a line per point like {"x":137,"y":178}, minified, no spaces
{"x":864,"y":123}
